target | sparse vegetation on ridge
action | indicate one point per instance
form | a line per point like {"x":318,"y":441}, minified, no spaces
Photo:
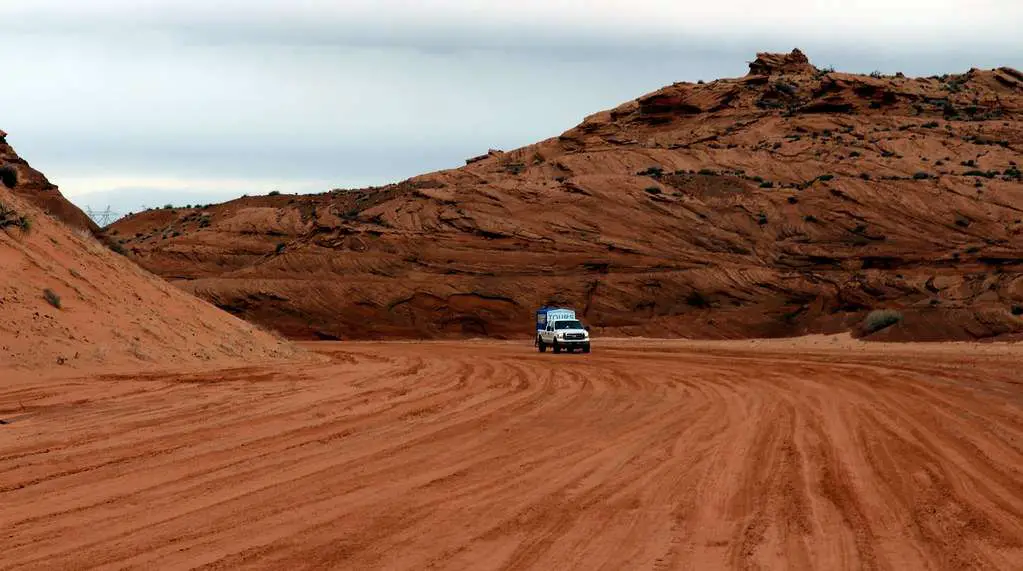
{"x":10,"y":218}
{"x":881,"y":319}
{"x":52,"y":298}
{"x":9,"y":176}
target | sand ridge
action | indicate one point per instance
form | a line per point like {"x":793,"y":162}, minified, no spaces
{"x":111,"y":312}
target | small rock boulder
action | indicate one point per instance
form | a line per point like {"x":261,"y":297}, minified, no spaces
{"x":771,"y":64}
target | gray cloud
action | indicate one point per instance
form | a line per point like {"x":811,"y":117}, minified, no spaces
{"x":547,"y":23}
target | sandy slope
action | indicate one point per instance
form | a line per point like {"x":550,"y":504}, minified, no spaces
{"x":786,"y":202}
{"x":814,"y":453}
{"x":34,"y":187}
{"x":112,"y":313}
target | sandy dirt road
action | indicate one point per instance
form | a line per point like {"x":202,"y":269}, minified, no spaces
{"x":480,"y":455}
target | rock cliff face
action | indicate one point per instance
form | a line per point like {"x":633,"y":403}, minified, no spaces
{"x":788,"y":201}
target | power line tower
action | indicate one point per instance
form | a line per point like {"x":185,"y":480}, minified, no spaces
{"x":102,"y":217}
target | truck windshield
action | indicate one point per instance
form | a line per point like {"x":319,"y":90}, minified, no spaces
{"x":567,"y":325}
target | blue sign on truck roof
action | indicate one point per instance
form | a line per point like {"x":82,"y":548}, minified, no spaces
{"x":545,"y":314}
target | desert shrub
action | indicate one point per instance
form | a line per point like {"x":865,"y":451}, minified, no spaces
{"x":792,"y":200}
{"x":785,"y":87}
{"x":9,"y":176}
{"x":708,"y":172}
{"x":655,"y":172}
{"x":762,"y":219}
{"x":274,"y":193}
{"x":854,"y":154}
{"x":1017,"y":310}
{"x":825,"y":177}
{"x":876,"y":74}
{"x":921,"y":176}
{"x":8,"y":218}
{"x":280,"y":248}
{"x":985,"y":174}
{"x":51,"y":297}
{"x":865,"y":175}
{"x":652,"y":190}
{"x":930,"y":125}
{"x":881,"y":319}
{"x":767,"y":184}
{"x":810,"y":218}
{"x":515,"y":168}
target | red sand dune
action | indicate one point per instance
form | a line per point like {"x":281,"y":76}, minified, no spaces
{"x":112,"y":313}
{"x":37,"y":190}
{"x":786,"y":202}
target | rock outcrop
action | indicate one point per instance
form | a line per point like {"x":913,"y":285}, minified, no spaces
{"x":794,"y":62}
{"x":785,"y":202}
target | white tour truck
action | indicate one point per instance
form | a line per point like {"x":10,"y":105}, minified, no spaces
{"x":559,"y":329}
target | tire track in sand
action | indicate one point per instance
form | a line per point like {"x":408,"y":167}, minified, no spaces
{"x":490,"y":456}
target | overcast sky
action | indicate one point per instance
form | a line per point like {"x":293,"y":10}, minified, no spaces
{"x":137,"y":103}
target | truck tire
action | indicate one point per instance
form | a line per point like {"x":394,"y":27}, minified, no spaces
{"x":586,"y":348}
{"x":556,"y":348}
{"x":541,"y":346}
